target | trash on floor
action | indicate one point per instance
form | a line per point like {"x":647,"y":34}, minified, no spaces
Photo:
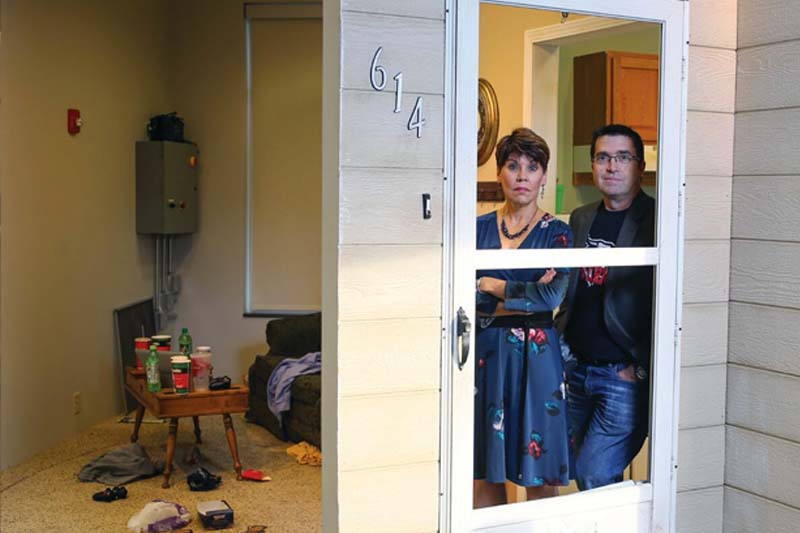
{"x":215,"y":514}
{"x":306,"y":454}
{"x":158,"y":516}
{"x":255,"y":475}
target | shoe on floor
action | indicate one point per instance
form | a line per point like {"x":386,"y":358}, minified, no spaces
{"x":111,"y":494}
{"x":202,"y":480}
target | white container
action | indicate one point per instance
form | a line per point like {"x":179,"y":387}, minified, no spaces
{"x":201,"y":368}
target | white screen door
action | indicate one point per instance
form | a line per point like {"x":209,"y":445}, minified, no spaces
{"x":635,"y":507}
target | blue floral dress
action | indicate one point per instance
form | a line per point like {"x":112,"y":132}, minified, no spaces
{"x":520,"y":405}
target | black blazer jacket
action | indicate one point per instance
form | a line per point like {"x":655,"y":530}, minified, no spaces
{"x":628,"y":299}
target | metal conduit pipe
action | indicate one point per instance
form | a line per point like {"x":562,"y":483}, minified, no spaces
{"x":157,"y":283}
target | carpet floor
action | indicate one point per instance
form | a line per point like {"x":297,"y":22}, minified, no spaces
{"x":44,"y":493}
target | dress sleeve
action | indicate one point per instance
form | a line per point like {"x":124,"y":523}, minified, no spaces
{"x":485,"y":303}
{"x":532,"y":296}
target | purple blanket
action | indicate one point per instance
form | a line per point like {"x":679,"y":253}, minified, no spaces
{"x":279,"y":386}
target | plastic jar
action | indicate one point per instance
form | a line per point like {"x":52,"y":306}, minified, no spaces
{"x":201,"y":368}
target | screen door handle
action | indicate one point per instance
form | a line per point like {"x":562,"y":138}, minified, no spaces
{"x":463,"y":328}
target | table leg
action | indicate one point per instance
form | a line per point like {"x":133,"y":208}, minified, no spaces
{"x":226,"y":418}
{"x":197,"y":439}
{"x":173,"y":432}
{"x":138,"y":423}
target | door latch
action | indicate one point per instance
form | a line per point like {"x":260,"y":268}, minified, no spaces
{"x":463,"y":328}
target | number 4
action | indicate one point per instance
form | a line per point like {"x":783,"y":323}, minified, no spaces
{"x":416,"y":120}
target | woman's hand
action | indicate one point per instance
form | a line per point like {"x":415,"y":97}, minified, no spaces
{"x":548,"y":276}
{"x":494,"y":286}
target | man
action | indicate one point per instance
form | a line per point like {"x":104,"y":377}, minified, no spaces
{"x":606,"y":316}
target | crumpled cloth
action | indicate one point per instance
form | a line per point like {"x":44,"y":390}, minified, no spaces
{"x":121,"y":466}
{"x":279,"y":386}
{"x":306,"y":454}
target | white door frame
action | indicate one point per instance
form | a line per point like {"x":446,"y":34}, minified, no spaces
{"x":635,"y":507}
{"x":540,"y":80}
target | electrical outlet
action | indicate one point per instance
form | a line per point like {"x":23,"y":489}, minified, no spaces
{"x":76,"y":403}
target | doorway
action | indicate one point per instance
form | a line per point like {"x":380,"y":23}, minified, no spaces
{"x":648,"y":502}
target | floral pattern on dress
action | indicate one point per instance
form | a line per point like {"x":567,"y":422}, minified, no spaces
{"x":536,"y":337}
{"x":560,"y":241}
{"x":535,"y":448}
{"x":498,"y":422}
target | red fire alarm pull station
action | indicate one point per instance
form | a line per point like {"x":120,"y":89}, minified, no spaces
{"x":74,"y":121}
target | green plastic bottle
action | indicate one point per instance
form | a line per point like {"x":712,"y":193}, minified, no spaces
{"x":185,"y":343}
{"x":151,"y":368}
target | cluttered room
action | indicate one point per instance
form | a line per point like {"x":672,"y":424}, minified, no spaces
{"x":162,"y":364}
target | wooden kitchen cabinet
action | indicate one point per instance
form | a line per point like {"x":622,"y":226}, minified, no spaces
{"x":618,"y":88}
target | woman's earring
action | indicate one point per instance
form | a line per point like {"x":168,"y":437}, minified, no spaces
{"x":541,"y":194}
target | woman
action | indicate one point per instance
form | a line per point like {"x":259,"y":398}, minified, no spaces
{"x":520,"y":409}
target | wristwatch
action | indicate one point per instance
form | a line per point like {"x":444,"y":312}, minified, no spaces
{"x":640,"y":372}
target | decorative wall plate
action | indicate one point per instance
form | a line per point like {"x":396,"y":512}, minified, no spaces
{"x":488,"y":120}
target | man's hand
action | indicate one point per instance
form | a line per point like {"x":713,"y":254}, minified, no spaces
{"x":628,"y":374}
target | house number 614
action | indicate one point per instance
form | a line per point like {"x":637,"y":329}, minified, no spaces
{"x":378,"y":78}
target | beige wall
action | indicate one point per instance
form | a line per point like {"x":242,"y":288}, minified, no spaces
{"x":502,"y":36}
{"x":70,"y":253}
{"x":763,"y":431}
{"x":208,"y":65}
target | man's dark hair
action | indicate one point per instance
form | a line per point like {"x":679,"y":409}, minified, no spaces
{"x":619,"y":130}
{"x":522,"y":141}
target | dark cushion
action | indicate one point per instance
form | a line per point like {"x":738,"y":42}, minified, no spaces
{"x":294,"y":336}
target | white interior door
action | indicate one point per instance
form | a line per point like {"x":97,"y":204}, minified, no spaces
{"x":638,"y":507}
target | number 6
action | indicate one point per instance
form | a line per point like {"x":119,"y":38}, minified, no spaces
{"x":373,"y":68}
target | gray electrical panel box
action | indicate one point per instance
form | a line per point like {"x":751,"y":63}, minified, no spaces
{"x":166,"y":187}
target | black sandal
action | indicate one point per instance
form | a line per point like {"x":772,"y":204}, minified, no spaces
{"x":111,"y":494}
{"x":202,"y":480}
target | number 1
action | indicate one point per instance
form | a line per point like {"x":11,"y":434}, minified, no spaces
{"x":398,"y":92}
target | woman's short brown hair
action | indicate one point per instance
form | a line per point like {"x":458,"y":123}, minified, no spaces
{"x":522,"y":141}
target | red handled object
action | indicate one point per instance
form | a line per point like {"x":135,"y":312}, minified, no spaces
{"x":255,"y":475}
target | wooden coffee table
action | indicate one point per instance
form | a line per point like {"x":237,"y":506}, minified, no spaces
{"x":167,"y":404}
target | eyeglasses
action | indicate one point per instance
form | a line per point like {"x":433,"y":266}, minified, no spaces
{"x":622,"y":158}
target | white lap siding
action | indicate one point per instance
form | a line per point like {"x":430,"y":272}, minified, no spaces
{"x":389,"y":261}
{"x":763,"y":427}
{"x":709,"y":170}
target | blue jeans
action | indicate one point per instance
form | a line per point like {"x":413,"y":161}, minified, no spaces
{"x":608,"y":422}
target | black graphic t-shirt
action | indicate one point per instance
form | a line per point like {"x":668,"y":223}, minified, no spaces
{"x":586,"y":332}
